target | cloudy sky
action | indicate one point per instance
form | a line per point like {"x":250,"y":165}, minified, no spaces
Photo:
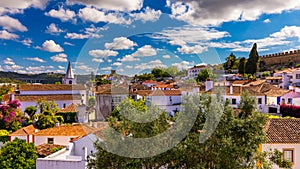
{"x":134,"y":36}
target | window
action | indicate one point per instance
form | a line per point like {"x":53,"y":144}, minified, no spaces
{"x":283,"y":101}
{"x":288,"y":154}
{"x":64,"y":105}
{"x":233,"y":101}
{"x":297,"y":76}
{"x":50,"y":141}
{"x":70,"y":82}
{"x":259,"y":101}
{"x":289,"y":101}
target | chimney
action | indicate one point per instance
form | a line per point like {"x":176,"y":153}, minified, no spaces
{"x":285,"y":80}
{"x":231,"y":89}
{"x":209,"y":84}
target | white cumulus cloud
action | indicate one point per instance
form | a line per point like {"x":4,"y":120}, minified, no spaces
{"x":62,"y":14}
{"x":61,"y":57}
{"x":117,"y":5}
{"x":147,"y":15}
{"x":120,"y":43}
{"x":7,"y":35}
{"x":51,"y":46}
{"x":103,"y":53}
{"x":12,"y":24}
{"x":35,"y":59}
{"x":146,"y":50}
{"x":53,"y":29}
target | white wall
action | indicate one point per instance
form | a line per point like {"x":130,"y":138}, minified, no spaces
{"x":295,"y":80}
{"x":42,"y":163}
{"x":19,"y":137}
{"x":296,"y":147}
{"x":164,"y":102}
{"x":60,"y":140}
{"x":260,"y":107}
{"x":60,"y":104}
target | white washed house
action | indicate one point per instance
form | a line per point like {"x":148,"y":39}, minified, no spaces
{"x":284,"y":135}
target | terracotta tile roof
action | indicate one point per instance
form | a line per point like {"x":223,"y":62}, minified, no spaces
{"x":276,"y":92}
{"x":30,"y":98}
{"x":165,"y":93}
{"x":101,"y":126}
{"x":283,"y":131}
{"x":29,"y":130}
{"x":71,"y":108}
{"x":240,"y":82}
{"x":149,"y":82}
{"x":236,"y":90}
{"x":45,"y":150}
{"x":273,"y":78}
{"x":47,"y":87}
{"x":112,"y":89}
{"x":6,"y":98}
{"x":66,"y":130}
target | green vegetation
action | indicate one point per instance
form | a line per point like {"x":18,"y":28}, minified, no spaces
{"x":30,"y":110}
{"x":205,"y":74}
{"x":252,"y":62}
{"x":4,"y":136}
{"x":47,"y":117}
{"x":233,"y":144}
{"x":18,"y":154}
{"x":242,"y":64}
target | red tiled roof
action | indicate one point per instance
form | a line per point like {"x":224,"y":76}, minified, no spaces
{"x":29,"y":98}
{"x":283,"y":131}
{"x":66,"y":130}
{"x":47,"y":87}
{"x":29,"y":130}
{"x":71,"y":108}
{"x":45,"y":150}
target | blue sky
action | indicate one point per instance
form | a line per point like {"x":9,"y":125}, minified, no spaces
{"x":134,"y":36}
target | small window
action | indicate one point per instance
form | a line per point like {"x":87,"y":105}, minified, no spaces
{"x":64,"y":105}
{"x":289,"y":101}
{"x":288,"y":154}
{"x":297,"y":76}
{"x":233,"y":101}
{"x":259,"y":101}
{"x":70,"y":82}
{"x":50,"y":141}
{"x":283,"y":101}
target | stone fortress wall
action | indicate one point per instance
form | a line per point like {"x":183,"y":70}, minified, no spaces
{"x":282,"y":58}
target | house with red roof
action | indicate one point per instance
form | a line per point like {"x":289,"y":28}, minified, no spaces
{"x":284,"y":135}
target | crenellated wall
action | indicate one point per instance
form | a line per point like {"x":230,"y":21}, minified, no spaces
{"x":282,"y":58}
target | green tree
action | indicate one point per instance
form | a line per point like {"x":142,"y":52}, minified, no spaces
{"x":205,"y":74}
{"x":172,"y":70}
{"x":252,"y":62}
{"x":47,"y":117}
{"x":18,"y":154}
{"x":241,"y":66}
{"x":145,"y":76}
{"x":232,"y":142}
{"x":230,"y":61}
{"x":30,"y":110}
{"x":4,"y":90}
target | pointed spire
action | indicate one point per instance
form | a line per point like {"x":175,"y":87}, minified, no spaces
{"x":69,"y":74}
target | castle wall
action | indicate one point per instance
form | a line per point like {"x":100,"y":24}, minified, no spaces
{"x":282,"y":58}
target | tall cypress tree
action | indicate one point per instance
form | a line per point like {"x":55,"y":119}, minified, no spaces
{"x":242,"y":64}
{"x":251,"y":65}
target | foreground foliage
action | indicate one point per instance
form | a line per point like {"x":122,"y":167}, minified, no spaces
{"x":227,"y":139}
{"x":18,"y":155}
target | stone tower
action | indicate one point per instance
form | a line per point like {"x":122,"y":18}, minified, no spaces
{"x":69,"y":77}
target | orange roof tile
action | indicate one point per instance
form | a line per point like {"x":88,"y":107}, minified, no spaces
{"x":29,"y":130}
{"x":66,"y":130}
{"x":30,"y":98}
{"x":71,"y":108}
{"x":45,"y":150}
{"x":283,"y":131}
{"x":43,"y":87}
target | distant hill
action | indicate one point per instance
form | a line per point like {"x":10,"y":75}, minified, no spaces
{"x":44,"y":78}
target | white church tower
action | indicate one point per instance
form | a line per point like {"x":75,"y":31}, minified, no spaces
{"x":69,"y":77}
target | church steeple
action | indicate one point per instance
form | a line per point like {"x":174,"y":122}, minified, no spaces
{"x":69,"y":77}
